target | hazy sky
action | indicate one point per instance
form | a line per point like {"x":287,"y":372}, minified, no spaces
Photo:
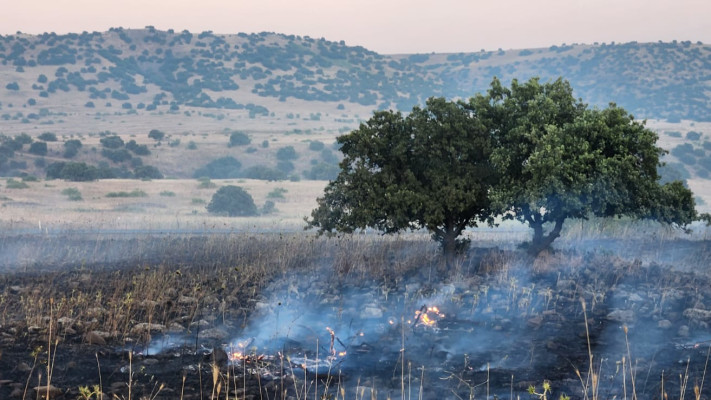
{"x":385,"y":26}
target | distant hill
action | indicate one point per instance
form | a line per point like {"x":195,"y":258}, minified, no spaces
{"x":163,"y":70}
{"x":269,"y":106}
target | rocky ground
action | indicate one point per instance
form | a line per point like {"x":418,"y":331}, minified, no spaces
{"x":496,"y":325}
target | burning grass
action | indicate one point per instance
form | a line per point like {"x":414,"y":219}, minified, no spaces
{"x":291,"y":315}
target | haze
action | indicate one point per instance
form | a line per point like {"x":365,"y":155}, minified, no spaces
{"x":392,"y":26}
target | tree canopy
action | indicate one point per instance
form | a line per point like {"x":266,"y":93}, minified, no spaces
{"x":233,"y":201}
{"x":429,"y":169}
{"x":558,"y":159}
{"x":531,"y":152}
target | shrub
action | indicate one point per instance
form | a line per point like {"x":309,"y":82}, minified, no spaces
{"x":191,"y":145}
{"x":116,"y":156}
{"x":72,"y":193}
{"x":328,"y":157}
{"x":316,"y":145}
{"x":72,"y":171}
{"x":287,"y":153}
{"x":48,"y":137}
{"x":322,"y":172}
{"x":221,"y":168}
{"x":71,"y":148}
{"x":147,"y":172}
{"x":285,"y":166}
{"x":239,"y":139}
{"x":23,"y":138}
{"x":206,"y":183}
{"x":675,"y":134}
{"x":89,"y":104}
{"x":156,"y":135}
{"x":264,"y":173}
{"x":38,"y":148}
{"x":112,"y":142}
{"x":693,"y":135}
{"x":12,"y":86}
{"x":13,"y":184}
{"x":233,"y":201}
{"x":277,"y":193}
{"x":167,"y":193}
{"x":133,"y":193}
{"x":268,"y":207}
{"x":138,"y":149}
{"x":265,"y":143}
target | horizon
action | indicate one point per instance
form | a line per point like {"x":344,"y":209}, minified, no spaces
{"x":394,"y":27}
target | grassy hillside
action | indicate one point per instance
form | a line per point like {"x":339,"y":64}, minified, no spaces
{"x":294,"y":92}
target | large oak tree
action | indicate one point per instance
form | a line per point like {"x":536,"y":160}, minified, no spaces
{"x":429,"y":169}
{"x":558,"y":159}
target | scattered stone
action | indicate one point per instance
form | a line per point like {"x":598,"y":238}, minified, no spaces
{"x":95,"y":337}
{"x":145,"y":327}
{"x":535,"y":322}
{"x":683,"y":331}
{"x":625,"y":316}
{"x":372,"y":312}
{"x":42,"y":391}
{"x":635,"y":298}
{"x":214,"y":333}
{"x":23,"y":367}
{"x":187,"y":300}
{"x":664,"y":324}
{"x":16,"y":289}
{"x":176,"y":328}
{"x":697,"y":314}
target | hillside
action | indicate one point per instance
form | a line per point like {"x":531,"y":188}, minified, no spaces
{"x":289,"y":91}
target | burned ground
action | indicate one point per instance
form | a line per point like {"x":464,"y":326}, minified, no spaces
{"x":294,"y":316}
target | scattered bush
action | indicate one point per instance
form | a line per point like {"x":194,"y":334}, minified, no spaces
{"x":48,"y":137}
{"x":71,"y":148}
{"x":38,"y":148}
{"x":167,"y":193}
{"x":285,"y":166}
{"x":112,"y":142}
{"x":233,"y":201}
{"x":206,"y":183}
{"x":12,"y":86}
{"x":13,"y":184}
{"x":116,"y":156}
{"x":287,"y":153}
{"x":693,"y":135}
{"x":133,"y":193}
{"x":147,"y":172}
{"x":322,"y":172}
{"x":268,"y":207}
{"x":156,"y":135}
{"x":675,"y":134}
{"x":72,"y":193}
{"x":277,"y":193}
{"x":265,"y":143}
{"x":221,"y":168}
{"x":263,"y":173}
{"x":316,"y":145}
{"x":138,"y":149}
{"x":239,"y":139}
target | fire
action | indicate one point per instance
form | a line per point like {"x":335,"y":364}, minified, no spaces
{"x":428,"y":316}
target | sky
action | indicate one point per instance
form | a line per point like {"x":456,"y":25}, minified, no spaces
{"x":385,"y":26}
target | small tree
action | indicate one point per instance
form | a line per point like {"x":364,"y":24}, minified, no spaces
{"x":233,"y":201}
{"x":156,"y":135}
{"x":239,"y":139}
{"x":287,"y":153}
{"x":38,"y":148}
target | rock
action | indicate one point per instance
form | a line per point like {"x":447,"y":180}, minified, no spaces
{"x":683,"y":331}
{"x":625,"y":316}
{"x":213,"y":333}
{"x":535,"y":322}
{"x":697,"y":314}
{"x":16,"y":289}
{"x":187,"y":300}
{"x":145,"y":327}
{"x":95,"y":337}
{"x":66,"y":321}
{"x":42,"y":391}
{"x":664,"y":324}
{"x":176,"y":328}
{"x":17,"y":393}
{"x":372,"y":312}
{"x":23,"y":367}
{"x":635,"y":298}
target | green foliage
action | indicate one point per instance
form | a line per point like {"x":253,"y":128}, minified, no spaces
{"x":38,"y":148}
{"x":287,"y":153}
{"x":265,"y":143}
{"x":76,"y":172}
{"x":112,"y":142}
{"x":48,"y":137}
{"x":427,"y":170}
{"x":316,"y":145}
{"x":72,"y":193}
{"x":233,"y":201}
{"x":12,"y":86}
{"x":557,"y":159}
{"x":206,"y":183}
{"x":239,"y":139}
{"x":321,"y":171}
{"x":263,"y":172}
{"x":221,"y":168}
{"x":117,"y":155}
{"x":71,"y":147}
{"x":14,"y":184}
{"x":268,"y":208}
{"x":693,"y":135}
{"x":122,"y":194}
{"x":156,"y":135}
{"x":138,"y":149}
{"x":147,"y":172}
{"x":167,"y":193}
{"x":277,"y":193}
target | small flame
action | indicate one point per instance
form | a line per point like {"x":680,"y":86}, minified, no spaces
{"x":428,"y":316}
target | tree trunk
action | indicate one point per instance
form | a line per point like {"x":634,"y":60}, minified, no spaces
{"x":540,"y":241}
